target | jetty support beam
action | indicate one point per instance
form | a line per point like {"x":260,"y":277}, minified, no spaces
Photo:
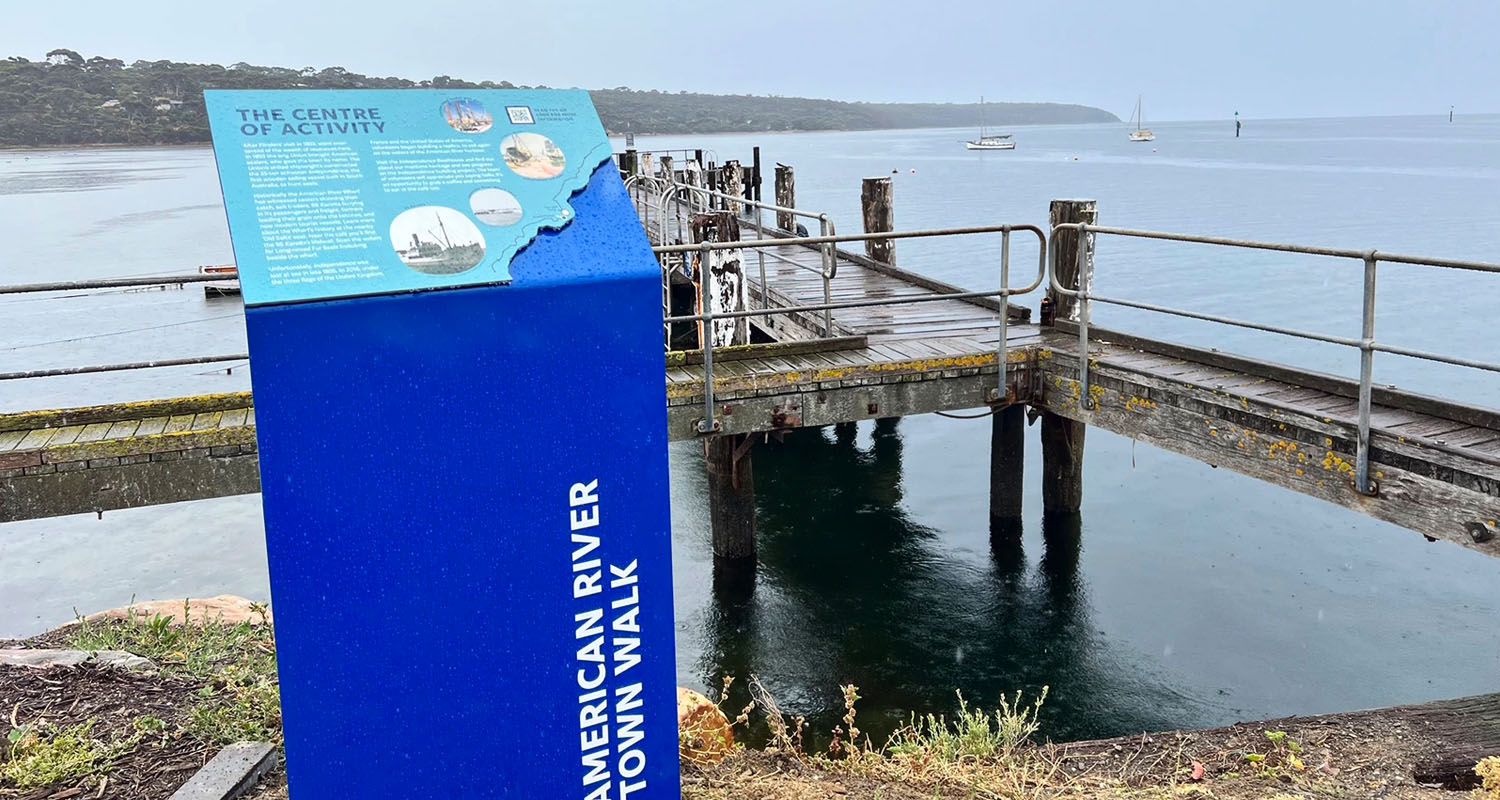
{"x":1007,"y":469}
{"x":1062,"y":438}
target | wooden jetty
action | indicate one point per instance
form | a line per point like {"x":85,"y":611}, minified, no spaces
{"x":1427,"y":464}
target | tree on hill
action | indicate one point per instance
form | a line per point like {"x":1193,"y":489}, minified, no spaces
{"x":67,"y":100}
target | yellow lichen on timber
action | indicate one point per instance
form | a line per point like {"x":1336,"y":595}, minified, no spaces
{"x":1327,"y":442}
{"x":1138,"y":403}
{"x":1096,"y":392}
{"x":1245,"y":402}
{"x":1379,"y":474}
{"x":1281,"y":449}
{"x":1299,"y":470}
{"x":132,"y":409}
{"x":1333,"y":461}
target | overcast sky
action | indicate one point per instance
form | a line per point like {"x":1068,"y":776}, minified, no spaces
{"x":1202,"y":59}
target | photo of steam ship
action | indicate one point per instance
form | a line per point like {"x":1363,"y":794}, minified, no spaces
{"x":436,"y":240}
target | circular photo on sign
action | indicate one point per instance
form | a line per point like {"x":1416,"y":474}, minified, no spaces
{"x":467,"y":116}
{"x":532,"y":155}
{"x":495,"y":207}
{"x":436,"y":240}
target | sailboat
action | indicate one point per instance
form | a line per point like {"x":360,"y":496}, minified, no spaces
{"x":992,"y":141}
{"x":1141,"y":132}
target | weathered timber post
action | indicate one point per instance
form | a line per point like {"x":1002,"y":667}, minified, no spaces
{"x":753,"y":192}
{"x":734,"y":186}
{"x":627,"y":162}
{"x":1007,"y":468}
{"x":875,"y":202}
{"x":1062,"y":439}
{"x":666,"y":169}
{"x":731,"y":480}
{"x":786,"y":197}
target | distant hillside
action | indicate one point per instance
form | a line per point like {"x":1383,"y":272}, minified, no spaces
{"x":70,"y":99}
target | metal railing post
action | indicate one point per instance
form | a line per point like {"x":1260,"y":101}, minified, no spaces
{"x":1362,"y":481}
{"x":825,"y":227}
{"x":708,"y":424}
{"x":1087,"y":397}
{"x":760,"y":253}
{"x":1002,"y":351}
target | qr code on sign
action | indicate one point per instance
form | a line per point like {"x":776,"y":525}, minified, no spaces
{"x":520,"y":115}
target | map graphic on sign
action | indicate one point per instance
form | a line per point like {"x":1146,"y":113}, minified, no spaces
{"x":359,"y":192}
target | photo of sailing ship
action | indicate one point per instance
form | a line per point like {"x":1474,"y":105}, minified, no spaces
{"x":532,"y":155}
{"x":436,"y":240}
{"x":467,"y":116}
{"x":495,"y":207}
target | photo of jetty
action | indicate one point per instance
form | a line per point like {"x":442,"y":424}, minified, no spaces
{"x":467,"y":116}
{"x":436,"y":240}
{"x":532,"y":155}
{"x":496,"y":207}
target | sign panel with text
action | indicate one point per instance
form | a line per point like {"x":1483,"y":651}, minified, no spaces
{"x":454,"y":322}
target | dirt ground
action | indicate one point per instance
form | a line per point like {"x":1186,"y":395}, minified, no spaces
{"x":1361,"y":755}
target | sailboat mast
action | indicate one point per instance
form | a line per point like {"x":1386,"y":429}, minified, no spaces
{"x":981,"y":116}
{"x":446,"y":243}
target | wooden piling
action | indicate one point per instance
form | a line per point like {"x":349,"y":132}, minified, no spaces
{"x":731,"y":479}
{"x":1007,"y":469}
{"x":666,"y":169}
{"x":875,"y":202}
{"x":1066,"y":260}
{"x":731,"y":495}
{"x":734,"y":186}
{"x":728,"y":290}
{"x":1062,"y":438}
{"x":786,"y":197}
{"x":628,"y":162}
{"x":752,"y":187}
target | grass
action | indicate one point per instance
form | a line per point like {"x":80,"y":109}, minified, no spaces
{"x":42,"y":755}
{"x":236,"y":664}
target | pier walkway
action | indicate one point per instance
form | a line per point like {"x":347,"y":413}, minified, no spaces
{"x":824,"y":352}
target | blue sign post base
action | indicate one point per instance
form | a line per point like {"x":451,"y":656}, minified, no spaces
{"x":466,"y":517}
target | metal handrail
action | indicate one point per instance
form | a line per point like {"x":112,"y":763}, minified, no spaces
{"x":708,"y":424}
{"x":109,"y":283}
{"x":1366,"y":343}
{"x":825,"y":222}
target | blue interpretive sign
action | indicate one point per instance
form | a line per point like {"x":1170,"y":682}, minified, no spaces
{"x":454,"y":322}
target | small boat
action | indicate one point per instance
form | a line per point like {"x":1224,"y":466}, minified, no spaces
{"x":992,"y":142}
{"x":989,"y":141}
{"x":229,"y":288}
{"x":1141,"y":132}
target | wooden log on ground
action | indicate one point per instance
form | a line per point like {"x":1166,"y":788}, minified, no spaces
{"x":875,"y":203}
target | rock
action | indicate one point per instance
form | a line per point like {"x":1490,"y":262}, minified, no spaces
{"x":704,"y":734}
{"x":42,"y":659}
{"x":226,"y":609}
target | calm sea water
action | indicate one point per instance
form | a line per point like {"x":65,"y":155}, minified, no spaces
{"x":1185,"y":596}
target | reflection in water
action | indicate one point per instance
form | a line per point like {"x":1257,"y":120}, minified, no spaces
{"x":849,"y":589}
